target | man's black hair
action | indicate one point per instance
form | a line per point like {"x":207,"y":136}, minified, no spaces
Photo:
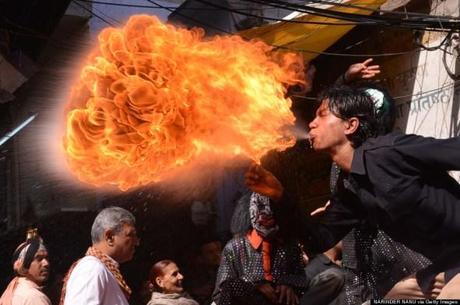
{"x":347,"y":102}
{"x":386,"y":112}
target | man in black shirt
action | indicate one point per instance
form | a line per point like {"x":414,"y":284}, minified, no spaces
{"x":398,"y":182}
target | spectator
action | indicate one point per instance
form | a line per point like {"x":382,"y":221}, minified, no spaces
{"x":165,"y":282}
{"x":30,"y":263}
{"x":203,"y":273}
{"x":260,"y":267}
{"x":96,"y":278}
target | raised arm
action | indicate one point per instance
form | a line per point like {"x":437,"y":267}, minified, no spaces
{"x":260,"y":180}
{"x":439,"y":154}
{"x":359,"y":71}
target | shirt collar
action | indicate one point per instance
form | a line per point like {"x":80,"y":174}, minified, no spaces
{"x":255,"y":239}
{"x":357,"y":163}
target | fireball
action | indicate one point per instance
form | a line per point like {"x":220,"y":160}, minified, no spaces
{"x":153,"y":98}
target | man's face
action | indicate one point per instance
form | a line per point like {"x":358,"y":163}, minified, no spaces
{"x":39,"y":268}
{"x":171,"y":280}
{"x":125,"y":243}
{"x":210,"y":253}
{"x":327,"y":131}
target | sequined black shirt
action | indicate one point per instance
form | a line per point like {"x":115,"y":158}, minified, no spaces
{"x":241,"y":261}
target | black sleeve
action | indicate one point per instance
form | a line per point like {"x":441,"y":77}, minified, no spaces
{"x":317,"y":233}
{"x":439,"y":154}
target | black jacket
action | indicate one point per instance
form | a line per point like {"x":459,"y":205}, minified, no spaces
{"x":399,"y":183}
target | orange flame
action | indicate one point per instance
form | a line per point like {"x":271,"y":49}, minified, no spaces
{"x":153,"y":98}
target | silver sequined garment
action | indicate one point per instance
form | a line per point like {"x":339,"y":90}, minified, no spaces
{"x":241,"y":261}
{"x":373,"y":261}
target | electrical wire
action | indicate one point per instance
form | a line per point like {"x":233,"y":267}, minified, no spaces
{"x":451,"y":74}
{"x":157,"y":7}
{"x":311,"y":51}
{"x":191,"y":18}
{"x":359,"y":7}
{"x":20,"y":30}
{"x":454,"y":84}
{"x":93,"y":14}
{"x":434,"y":23}
{"x":275,"y":46}
{"x":418,"y":41}
{"x":99,"y":12}
{"x":283,"y":47}
{"x":278,"y":19}
{"x":295,"y":6}
{"x":441,"y":23}
{"x":348,"y":54}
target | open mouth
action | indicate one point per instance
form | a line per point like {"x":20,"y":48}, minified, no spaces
{"x":311,"y":140}
{"x":267,"y":221}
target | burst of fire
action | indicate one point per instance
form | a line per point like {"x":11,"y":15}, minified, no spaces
{"x":153,"y":98}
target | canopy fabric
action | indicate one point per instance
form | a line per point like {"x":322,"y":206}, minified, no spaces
{"x":311,"y":38}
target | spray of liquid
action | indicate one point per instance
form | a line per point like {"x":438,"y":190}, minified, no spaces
{"x":302,"y":134}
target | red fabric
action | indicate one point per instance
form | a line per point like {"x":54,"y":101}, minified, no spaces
{"x":256,"y":241}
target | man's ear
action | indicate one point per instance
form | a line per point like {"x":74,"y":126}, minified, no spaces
{"x":351,"y":125}
{"x":159,"y":282}
{"x":109,"y":237}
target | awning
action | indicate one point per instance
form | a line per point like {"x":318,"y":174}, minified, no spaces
{"x":311,"y":38}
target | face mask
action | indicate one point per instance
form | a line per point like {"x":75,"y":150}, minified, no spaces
{"x":261,"y":214}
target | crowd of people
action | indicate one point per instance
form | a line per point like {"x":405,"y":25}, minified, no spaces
{"x":390,"y":230}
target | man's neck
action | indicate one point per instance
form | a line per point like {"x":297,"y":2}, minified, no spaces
{"x":33,"y":282}
{"x":104,"y":248}
{"x":343,"y":156}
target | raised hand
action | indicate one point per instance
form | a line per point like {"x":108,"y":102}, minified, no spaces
{"x":261,"y":181}
{"x":362,"y":70}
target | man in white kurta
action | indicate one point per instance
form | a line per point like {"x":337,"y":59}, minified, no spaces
{"x":91,"y":283}
{"x":96,"y":279}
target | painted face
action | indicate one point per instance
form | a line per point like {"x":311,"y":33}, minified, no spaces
{"x":39,"y":268}
{"x":171,"y":280}
{"x":326,"y":130}
{"x":261,"y":215}
{"x":125,"y":243}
